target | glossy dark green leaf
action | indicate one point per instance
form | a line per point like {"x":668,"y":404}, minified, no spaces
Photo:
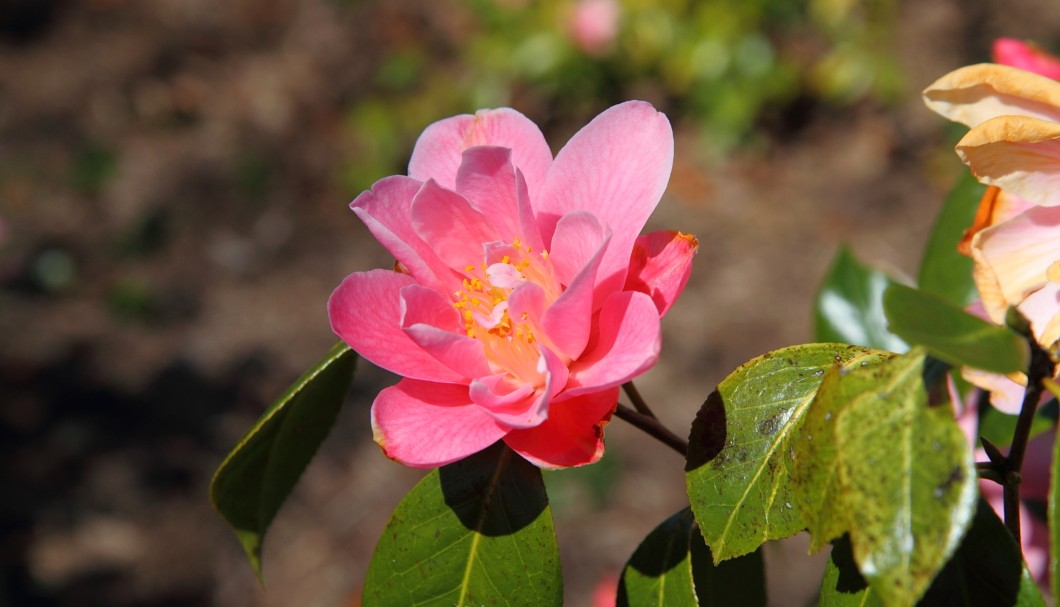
{"x":943,"y":271}
{"x":253,"y":481}
{"x":951,"y":334}
{"x":1054,"y":523}
{"x":907,"y":478}
{"x":660,"y":570}
{"x":673,"y":566}
{"x":849,"y":306}
{"x":986,"y":571}
{"x":739,"y":581}
{"x":475,"y":532}
{"x":739,"y":447}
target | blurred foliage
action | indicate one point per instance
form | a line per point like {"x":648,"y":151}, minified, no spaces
{"x":718,"y":66}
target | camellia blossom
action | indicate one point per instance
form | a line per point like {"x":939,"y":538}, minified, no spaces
{"x":522,"y":296}
{"x":1013,"y":146}
{"x":1026,"y":56}
{"x":594,"y":24}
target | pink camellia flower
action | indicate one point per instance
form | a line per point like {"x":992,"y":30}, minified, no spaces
{"x":522,"y":296}
{"x":594,"y":25}
{"x":1026,"y":56}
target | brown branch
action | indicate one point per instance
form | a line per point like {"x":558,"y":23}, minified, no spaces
{"x":653,"y":427}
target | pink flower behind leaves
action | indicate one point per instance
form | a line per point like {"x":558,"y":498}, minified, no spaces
{"x":594,"y":25}
{"x":522,"y":296}
{"x":1026,"y":56}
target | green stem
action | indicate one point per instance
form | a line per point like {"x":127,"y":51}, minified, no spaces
{"x":653,"y":427}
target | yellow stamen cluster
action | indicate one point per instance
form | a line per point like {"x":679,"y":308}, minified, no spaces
{"x":479,"y":297}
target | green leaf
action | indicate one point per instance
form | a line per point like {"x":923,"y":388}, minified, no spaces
{"x":475,"y":532}
{"x":253,"y":481}
{"x":999,"y":428}
{"x":660,"y":570}
{"x":673,"y":566}
{"x":906,"y":475}
{"x":951,"y":334}
{"x":842,"y":584}
{"x":986,"y":571}
{"x":739,"y":581}
{"x":943,"y":271}
{"x":818,"y":494}
{"x":737,"y":472}
{"x":849,"y":306}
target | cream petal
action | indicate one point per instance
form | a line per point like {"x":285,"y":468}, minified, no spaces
{"x":974,"y":94}
{"x":1018,"y":154}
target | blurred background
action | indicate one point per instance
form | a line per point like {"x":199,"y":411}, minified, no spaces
{"x":174,"y":180}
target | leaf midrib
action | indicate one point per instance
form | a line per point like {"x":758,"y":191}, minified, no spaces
{"x":476,"y":536}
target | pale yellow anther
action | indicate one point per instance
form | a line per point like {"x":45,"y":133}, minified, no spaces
{"x":1052,"y":274}
{"x":506,"y":259}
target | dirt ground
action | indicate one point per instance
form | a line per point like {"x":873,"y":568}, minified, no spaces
{"x":148,"y":317}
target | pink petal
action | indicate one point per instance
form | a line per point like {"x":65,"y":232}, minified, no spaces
{"x":519,"y":405}
{"x":498,"y":393}
{"x":365,"y":311}
{"x":573,"y":434}
{"x":386,"y":210}
{"x":568,"y":321}
{"x":420,"y":305}
{"x":1026,"y":56}
{"x":1020,"y":251}
{"x":487,"y":179}
{"x":424,"y":425}
{"x":528,"y":298}
{"x":616,"y":168}
{"x":437,"y":154}
{"x":1006,"y":395}
{"x":1042,"y":308}
{"x":625,"y":345}
{"x":995,"y":206}
{"x":453,"y":228}
{"x":432,"y":323}
{"x":578,"y":238}
{"x":660,"y":266}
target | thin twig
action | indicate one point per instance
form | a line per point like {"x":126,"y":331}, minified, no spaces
{"x":653,"y":427}
{"x":638,"y":401}
{"x":1041,"y":368}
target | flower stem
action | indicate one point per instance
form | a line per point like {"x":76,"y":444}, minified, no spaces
{"x":638,"y":401}
{"x":651,"y":425}
{"x":1040,"y":370}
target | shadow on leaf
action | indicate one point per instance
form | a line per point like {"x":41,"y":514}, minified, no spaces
{"x":494,"y":492}
{"x":707,"y":437}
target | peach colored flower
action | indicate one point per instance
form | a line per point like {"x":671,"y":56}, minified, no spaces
{"x":1014,"y":146}
{"x":522,"y":296}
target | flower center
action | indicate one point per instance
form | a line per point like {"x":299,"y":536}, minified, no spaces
{"x":483,"y":304}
